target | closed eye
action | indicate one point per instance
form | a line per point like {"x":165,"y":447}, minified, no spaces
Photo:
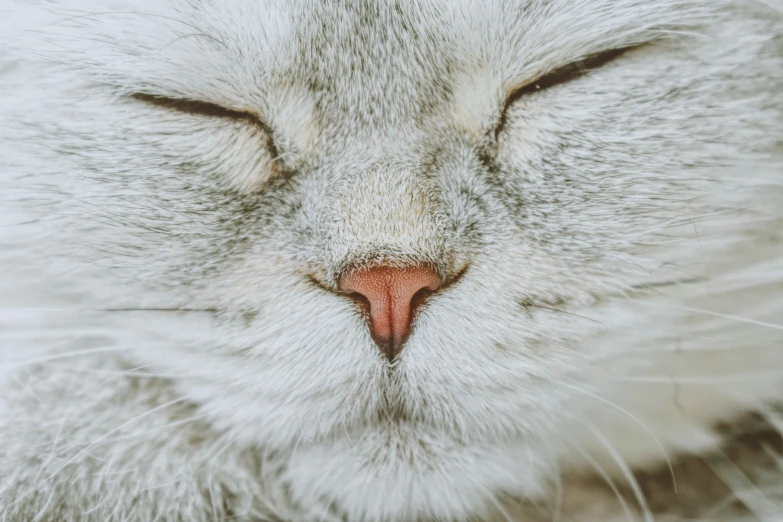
{"x":211,"y":110}
{"x":196,"y":107}
{"x":560,"y":76}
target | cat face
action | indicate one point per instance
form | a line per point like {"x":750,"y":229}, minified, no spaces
{"x":237,"y":159}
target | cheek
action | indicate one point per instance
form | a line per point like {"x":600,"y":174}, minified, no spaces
{"x":590,"y":186}
{"x":225,"y":154}
{"x":153,"y":199}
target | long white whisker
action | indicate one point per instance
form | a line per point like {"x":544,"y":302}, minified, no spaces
{"x":626,"y":470}
{"x":745,"y":489}
{"x":609,"y":481}
{"x":726,"y":316}
{"x":698,"y":380}
{"x":636,"y":420}
{"x":136,"y":434}
{"x":112,"y":374}
{"x":28,"y":362}
{"x":96,"y":441}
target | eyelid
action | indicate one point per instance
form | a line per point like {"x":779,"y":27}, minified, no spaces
{"x":560,"y":76}
{"x":199,"y":108}
{"x":212,"y":110}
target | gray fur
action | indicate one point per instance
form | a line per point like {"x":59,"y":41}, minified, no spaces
{"x":171,"y":343}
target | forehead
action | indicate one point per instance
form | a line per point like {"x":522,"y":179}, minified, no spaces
{"x":361,"y":64}
{"x":369,"y":64}
{"x":219,"y":43}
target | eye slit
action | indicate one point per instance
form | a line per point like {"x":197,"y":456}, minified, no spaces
{"x":198,"y":108}
{"x":211,"y":110}
{"x":560,"y":76}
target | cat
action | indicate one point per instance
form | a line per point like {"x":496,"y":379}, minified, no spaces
{"x":367,"y":261}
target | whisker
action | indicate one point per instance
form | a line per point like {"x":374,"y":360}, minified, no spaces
{"x":175,"y":310}
{"x":626,"y":470}
{"x":744,"y":489}
{"x":727,"y":316}
{"x":609,"y":481}
{"x":533,"y":305}
{"x":134,"y":435}
{"x":559,"y":489}
{"x":110,"y":310}
{"x":635,"y":419}
{"x":665,"y":284}
{"x":706,"y":343}
{"x":699,"y":380}
{"x":21,"y":364}
{"x":736,"y":496}
{"x":113,"y":374}
{"x":37,"y":487}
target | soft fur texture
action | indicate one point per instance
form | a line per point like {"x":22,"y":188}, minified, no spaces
{"x":172,"y":348}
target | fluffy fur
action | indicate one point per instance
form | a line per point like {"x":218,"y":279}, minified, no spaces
{"x":172,"y":347}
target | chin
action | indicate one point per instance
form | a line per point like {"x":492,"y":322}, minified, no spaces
{"x":399,"y":471}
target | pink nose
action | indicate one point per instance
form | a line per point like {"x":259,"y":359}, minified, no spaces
{"x":392,"y":296}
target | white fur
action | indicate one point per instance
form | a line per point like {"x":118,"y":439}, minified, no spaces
{"x":166,"y":355}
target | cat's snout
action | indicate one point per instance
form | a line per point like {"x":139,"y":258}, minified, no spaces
{"x":390,"y":296}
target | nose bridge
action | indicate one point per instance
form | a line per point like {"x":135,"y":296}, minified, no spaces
{"x":385,"y":213}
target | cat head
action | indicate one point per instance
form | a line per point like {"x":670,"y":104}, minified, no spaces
{"x":499,"y":179}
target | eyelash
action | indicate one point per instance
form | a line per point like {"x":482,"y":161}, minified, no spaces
{"x":560,"y":76}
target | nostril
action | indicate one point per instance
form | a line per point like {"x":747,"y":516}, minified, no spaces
{"x":360,"y":300}
{"x":419,"y":298}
